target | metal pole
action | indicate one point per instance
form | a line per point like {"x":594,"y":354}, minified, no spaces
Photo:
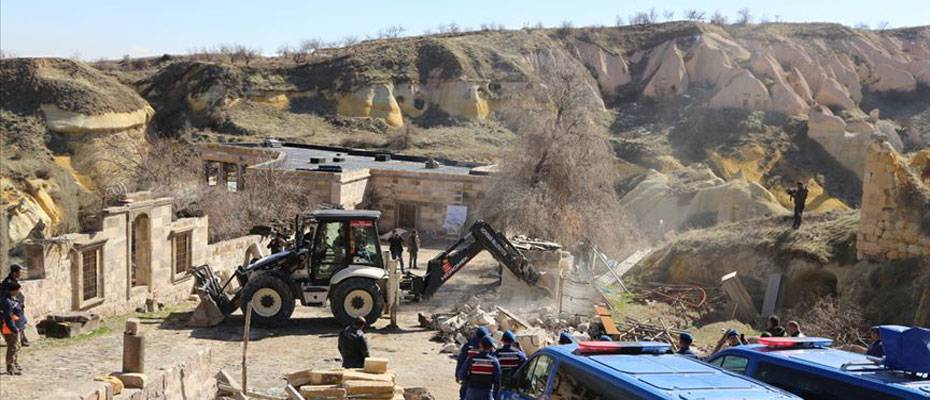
{"x":245,"y":345}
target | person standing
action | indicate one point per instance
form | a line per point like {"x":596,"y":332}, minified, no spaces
{"x":396,"y":243}
{"x":684,"y":345}
{"x":353,"y":346}
{"x":875,"y":349}
{"x":481,"y":374}
{"x":471,"y":348}
{"x":509,"y":357}
{"x":16,"y":273}
{"x":8,"y":326}
{"x":774,"y":327}
{"x":794,"y":329}
{"x":799,"y":195}
{"x":413,"y":246}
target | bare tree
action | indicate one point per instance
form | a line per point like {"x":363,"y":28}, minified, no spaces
{"x":764,"y":19}
{"x":391,"y":32}
{"x":619,"y":21}
{"x":557,"y":182}
{"x":862,"y":25}
{"x":644,"y":17}
{"x":668,"y":15}
{"x":744,"y":16}
{"x":881,"y":26}
{"x":718,"y":18}
{"x":6,"y":54}
{"x":694,"y":15}
{"x":348,"y":41}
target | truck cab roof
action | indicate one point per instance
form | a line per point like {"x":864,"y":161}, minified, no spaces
{"x":825,"y":362}
{"x":341,"y":215}
{"x":651,"y":373}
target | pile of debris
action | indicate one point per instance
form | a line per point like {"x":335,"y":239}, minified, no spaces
{"x":373,"y":382}
{"x":542,"y":328}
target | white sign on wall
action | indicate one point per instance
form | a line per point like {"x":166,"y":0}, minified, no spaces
{"x":455,"y":218}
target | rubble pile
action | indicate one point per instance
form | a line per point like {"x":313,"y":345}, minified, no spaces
{"x":533,"y":328}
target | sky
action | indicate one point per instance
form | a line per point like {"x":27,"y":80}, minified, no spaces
{"x":95,"y":29}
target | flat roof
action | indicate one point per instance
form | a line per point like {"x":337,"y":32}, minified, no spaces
{"x":298,"y":158}
{"x":340,"y":214}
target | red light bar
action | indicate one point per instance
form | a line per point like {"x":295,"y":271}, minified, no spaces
{"x":793,"y":342}
{"x":601,"y":347}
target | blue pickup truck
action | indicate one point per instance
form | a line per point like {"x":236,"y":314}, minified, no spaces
{"x":628,"y":370}
{"x":809,"y":368}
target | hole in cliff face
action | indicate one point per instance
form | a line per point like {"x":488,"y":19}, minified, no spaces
{"x":400,"y":99}
{"x":809,"y":285}
{"x":494,"y":86}
{"x":419,"y":104}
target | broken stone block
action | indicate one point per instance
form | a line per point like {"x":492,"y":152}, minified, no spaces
{"x":131,"y":380}
{"x":322,"y":392}
{"x":531,"y":340}
{"x":313,"y":377}
{"x":584,"y":327}
{"x":417,"y":393}
{"x":375,"y":365}
{"x":133,"y":326}
{"x":293,"y":393}
{"x":460,"y":339}
{"x":116,"y":385}
{"x":355,"y":388}
{"x":449,"y":348}
{"x":133,"y":353}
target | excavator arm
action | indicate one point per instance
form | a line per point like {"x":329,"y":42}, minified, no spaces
{"x":481,"y":236}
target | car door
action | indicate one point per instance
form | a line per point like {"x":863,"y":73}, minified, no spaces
{"x":531,"y":382}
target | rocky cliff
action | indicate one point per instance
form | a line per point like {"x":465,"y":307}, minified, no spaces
{"x":67,"y":129}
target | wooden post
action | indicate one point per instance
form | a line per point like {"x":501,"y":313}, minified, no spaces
{"x":393,"y":292}
{"x":738,"y":293}
{"x":772,"y":295}
{"x":246,"y":333}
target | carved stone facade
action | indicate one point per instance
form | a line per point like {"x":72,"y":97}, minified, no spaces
{"x":895,"y":221}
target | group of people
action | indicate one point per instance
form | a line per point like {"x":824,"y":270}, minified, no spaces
{"x":396,"y":244}
{"x":773,"y":328}
{"x":13,"y":318}
{"x":481,"y":366}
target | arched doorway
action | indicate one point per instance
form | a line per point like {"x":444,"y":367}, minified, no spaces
{"x":141,"y":251}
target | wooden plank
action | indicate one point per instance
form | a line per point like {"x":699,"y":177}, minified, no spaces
{"x":772,"y":294}
{"x":293,"y":393}
{"x":513,"y":317}
{"x":601,"y":310}
{"x":610,"y":327}
{"x":738,"y":293}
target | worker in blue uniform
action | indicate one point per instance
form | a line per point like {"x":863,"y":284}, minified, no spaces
{"x":509,"y":356}
{"x":684,"y":345}
{"x":566,"y":338}
{"x":470,"y":349}
{"x":481,"y":374}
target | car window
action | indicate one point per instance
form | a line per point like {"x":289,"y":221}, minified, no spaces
{"x":537,"y":376}
{"x":734,"y":364}
{"x":812,"y":386}
{"x":330,"y":249}
{"x":363,"y":243}
{"x":571,"y":383}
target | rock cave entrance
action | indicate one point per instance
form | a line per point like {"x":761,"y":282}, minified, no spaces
{"x":809,"y":285}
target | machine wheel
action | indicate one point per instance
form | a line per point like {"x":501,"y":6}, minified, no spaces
{"x":357,"y":297}
{"x":271,"y":298}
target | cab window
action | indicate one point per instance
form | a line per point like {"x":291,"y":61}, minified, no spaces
{"x":570,"y":383}
{"x":330,"y":249}
{"x":732,"y":363}
{"x":532,"y":378}
{"x":814,"y":387}
{"x":363,"y":243}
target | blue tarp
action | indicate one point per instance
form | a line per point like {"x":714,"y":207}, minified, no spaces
{"x":906,"y":349}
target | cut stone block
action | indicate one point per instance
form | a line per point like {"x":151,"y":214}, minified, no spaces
{"x":319,"y":392}
{"x":359,"y":375}
{"x":132,"y":380}
{"x":133,"y":326}
{"x":376,"y":365}
{"x":313,"y":377}
{"x":368,"y":387}
{"x":293,"y":393}
{"x":116,"y":385}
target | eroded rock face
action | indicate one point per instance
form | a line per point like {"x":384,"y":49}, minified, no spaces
{"x":375,"y":101}
{"x":670,"y":77}
{"x":848,"y":142}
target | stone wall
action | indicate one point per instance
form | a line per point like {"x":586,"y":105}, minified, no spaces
{"x":895,"y":223}
{"x":191,"y":378}
{"x":56,"y":267}
{"x":429,"y":193}
{"x":553,"y":263}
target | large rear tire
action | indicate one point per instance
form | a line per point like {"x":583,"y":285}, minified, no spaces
{"x":357,"y":297}
{"x":271,"y":298}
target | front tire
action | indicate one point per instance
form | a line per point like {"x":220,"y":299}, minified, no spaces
{"x":357,"y":297}
{"x":271,"y":298}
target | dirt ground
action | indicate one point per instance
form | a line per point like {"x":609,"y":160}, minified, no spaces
{"x":66,"y":368}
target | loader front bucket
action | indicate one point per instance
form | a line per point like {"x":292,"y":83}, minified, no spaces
{"x":214,"y":303}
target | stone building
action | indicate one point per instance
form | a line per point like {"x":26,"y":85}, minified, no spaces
{"x":895,"y":223}
{"x":138,"y":251}
{"x":434,"y":197}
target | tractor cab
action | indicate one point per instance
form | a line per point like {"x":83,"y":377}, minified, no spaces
{"x":338,"y":239}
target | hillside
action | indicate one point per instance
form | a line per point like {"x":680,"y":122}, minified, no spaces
{"x":719,"y":118}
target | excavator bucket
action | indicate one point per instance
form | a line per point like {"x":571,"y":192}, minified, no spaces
{"x":214,"y":304}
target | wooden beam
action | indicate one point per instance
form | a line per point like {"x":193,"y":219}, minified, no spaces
{"x":738,"y":293}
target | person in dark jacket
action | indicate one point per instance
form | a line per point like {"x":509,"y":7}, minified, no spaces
{"x":396,"y":244}
{"x":875,"y":349}
{"x":471,"y":348}
{"x":774,"y":327}
{"x":9,"y":308}
{"x":799,"y":195}
{"x":481,"y":374}
{"x":16,"y":273}
{"x":353,"y":346}
{"x":509,"y":356}
{"x":413,"y":247}
{"x":684,"y":345}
